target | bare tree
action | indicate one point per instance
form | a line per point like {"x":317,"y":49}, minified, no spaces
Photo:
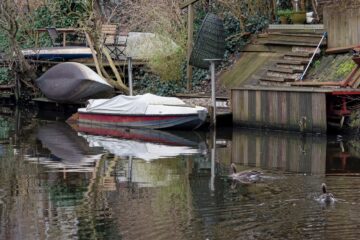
{"x":9,"y":16}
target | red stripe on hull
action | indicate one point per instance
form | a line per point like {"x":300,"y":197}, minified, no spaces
{"x":126,"y":135}
{"x":123,"y":118}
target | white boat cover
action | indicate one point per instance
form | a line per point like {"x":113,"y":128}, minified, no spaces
{"x":130,"y":104}
{"x":142,"y":150}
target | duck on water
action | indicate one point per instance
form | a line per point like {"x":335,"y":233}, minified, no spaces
{"x":326,"y":197}
{"x":246,"y":177}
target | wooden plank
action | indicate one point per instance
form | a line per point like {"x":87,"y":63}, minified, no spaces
{"x":319,"y":112}
{"x":283,"y":70}
{"x":252,"y":106}
{"x":342,"y":26}
{"x":337,"y":50}
{"x":293,"y":43}
{"x":258,"y":107}
{"x":272,"y":79}
{"x":293,"y":107}
{"x":315,"y":84}
{"x":264,"y":108}
{"x":305,"y":35}
{"x":286,"y":89}
{"x":246,"y":105}
{"x":292,"y":62}
{"x":187,"y":3}
{"x":257,"y":48}
{"x":282,"y":109}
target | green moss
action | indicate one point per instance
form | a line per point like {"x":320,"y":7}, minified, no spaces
{"x":316,"y":64}
{"x":345,"y":68}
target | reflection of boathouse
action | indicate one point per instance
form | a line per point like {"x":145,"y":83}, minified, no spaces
{"x":291,"y":152}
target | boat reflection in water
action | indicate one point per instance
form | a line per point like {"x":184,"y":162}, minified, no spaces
{"x":63,"y":149}
{"x":146,"y":144}
{"x":137,"y":147}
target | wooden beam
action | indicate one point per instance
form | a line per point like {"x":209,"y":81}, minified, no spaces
{"x":189,"y":70}
{"x":340,"y":49}
{"x":187,"y":3}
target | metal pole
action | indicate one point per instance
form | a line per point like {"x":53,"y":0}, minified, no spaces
{"x":213,"y":90}
{"x":130,"y":76}
{"x":312,"y":57}
{"x":213,"y":156}
{"x":213,"y":87}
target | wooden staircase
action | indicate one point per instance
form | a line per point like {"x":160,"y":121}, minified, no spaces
{"x":291,"y":65}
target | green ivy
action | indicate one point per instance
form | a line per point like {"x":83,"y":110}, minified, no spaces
{"x":4,"y":75}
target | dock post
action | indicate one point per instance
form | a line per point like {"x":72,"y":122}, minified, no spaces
{"x":213,"y":159}
{"x":130,"y":76}
{"x":213,"y":91}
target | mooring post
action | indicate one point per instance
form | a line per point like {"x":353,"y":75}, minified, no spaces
{"x":213,"y":160}
{"x":130,"y":76}
{"x":213,"y":91}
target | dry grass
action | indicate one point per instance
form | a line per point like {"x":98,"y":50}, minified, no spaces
{"x":165,"y":19}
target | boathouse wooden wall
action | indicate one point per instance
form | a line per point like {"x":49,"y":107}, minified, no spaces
{"x":293,"y":152}
{"x":278,"y":109}
{"x":342,"y":24}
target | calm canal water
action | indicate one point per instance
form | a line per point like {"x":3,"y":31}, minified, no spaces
{"x":62,"y":182}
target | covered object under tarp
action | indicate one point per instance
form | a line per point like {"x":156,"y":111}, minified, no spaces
{"x":131,"y":104}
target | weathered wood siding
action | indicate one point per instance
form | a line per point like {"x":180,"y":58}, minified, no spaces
{"x":342,"y":25}
{"x":292,"y":152}
{"x":287,"y":110}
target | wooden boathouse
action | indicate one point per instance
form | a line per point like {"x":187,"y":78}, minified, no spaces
{"x":291,"y":108}
{"x":273,"y":89}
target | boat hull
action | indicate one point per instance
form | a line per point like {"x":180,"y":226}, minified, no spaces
{"x":57,"y":53}
{"x":174,"y":121}
{"x":72,"y":82}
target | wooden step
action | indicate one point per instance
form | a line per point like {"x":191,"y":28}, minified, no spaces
{"x":302,"y":38}
{"x":272,"y":79}
{"x":305,"y":49}
{"x":293,"y":62}
{"x":290,"y":43}
{"x":299,"y":68}
{"x":300,"y":34}
{"x":286,"y":76}
{"x":274,"y":84}
{"x":283,"y":70}
{"x":291,"y":58}
{"x":298,"y":54}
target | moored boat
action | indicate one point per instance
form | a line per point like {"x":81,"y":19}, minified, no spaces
{"x":57,"y":53}
{"x":72,"y":82}
{"x":142,"y":111}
